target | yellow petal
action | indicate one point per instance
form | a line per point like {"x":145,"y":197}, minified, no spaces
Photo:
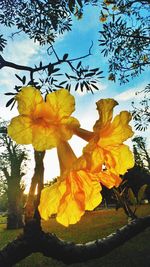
{"x":44,"y":137}
{"x":61,"y":103}
{"x":95,"y":159}
{"x":109,"y":179}
{"x":123,"y":159}
{"x":105,"y":110}
{"x":72,"y":204}
{"x":27,"y":100}
{"x":82,"y":192}
{"x":118,"y":132}
{"x":20,"y":129}
{"x":50,"y":198}
{"x":92,"y":190}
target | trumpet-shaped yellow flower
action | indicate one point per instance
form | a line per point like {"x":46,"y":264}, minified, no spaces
{"x":75,"y":191}
{"x":43,"y":123}
{"x":106,"y":153}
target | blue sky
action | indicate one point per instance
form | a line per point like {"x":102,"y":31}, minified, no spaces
{"x":23,"y":51}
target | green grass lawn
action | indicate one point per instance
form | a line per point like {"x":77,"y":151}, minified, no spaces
{"x":93,"y":225}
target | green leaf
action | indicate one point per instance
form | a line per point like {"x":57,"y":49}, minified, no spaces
{"x":95,"y":87}
{"x":65,"y":56}
{"x":79,"y":64}
{"x":89,"y":74}
{"x":76,"y":87}
{"x":24,"y":79}
{"x":10,"y":102}
{"x":19,"y":78}
{"x":10,"y":93}
{"x":55,"y":70}
{"x":71,"y":4}
{"x":132,"y":197}
{"x":79,"y":2}
{"x":141,"y":192}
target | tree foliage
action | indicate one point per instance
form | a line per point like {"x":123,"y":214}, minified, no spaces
{"x":141,"y":110}
{"x":125,"y":38}
{"x":141,"y":153}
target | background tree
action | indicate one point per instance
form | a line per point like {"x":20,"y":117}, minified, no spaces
{"x":125,"y":37}
{"x":139,"y":175}
{"x":141,"y":110}
{"x":3,"y":195}
{"x":142,"y":157}
{"x":13,"y":158}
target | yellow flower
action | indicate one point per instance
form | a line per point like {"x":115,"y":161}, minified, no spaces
{"x":145,"y":58}
{"x":75,"y":191}
{"x":43,"y":123}
{"x":103,"y":18}
{"x":107,"y":2}
{"x":106,"y":154}
{"x":111,"y":77}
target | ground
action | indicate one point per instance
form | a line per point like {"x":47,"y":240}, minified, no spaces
{"x":93,"y":225}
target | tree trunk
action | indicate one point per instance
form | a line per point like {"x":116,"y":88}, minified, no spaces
{"x":15,"y":206}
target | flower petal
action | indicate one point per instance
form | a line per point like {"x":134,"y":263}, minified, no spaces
{"x":92,"y":190}
{"x":72,"y":204}
{"x":118,"y":132}
{"x":44,"y":137}
{"x":122,"y":157}
{"x":95,"y":159}
{"x":82,"y":192}
{"x":109,"y":179}
{"x":50,"y":198}
{"x":105,"y":110}
{"x":61,"y":103}
{"x":20,"y":130}
{"x":27,"y":100}
{"x":47,"y":136}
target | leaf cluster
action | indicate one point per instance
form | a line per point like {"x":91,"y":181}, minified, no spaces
{"x":40,"y":20}
{"x":124,"y":38}
{"x":3,"y":43}
{"x":141,"y":110}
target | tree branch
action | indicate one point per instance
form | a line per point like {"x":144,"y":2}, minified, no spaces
{"x":5,"y":63}
{"x":135,"y":36}
{"x":35,"y":240}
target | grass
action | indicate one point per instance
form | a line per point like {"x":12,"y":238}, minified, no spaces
{"x":93,"y":225}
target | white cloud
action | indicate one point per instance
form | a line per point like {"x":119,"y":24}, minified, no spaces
{"x":131,"y":93}
{"x":6,"y":114}
{"x":20,"y":52}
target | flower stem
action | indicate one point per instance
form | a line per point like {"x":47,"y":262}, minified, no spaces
{"x":66,"y":156}
{"x":84,"y":134}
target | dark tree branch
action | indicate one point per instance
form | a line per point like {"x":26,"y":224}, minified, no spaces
{"x":135,"y":36}
{"x":5,"y":63}
{"x":55,"y":53}
{"x":35,"y":240}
